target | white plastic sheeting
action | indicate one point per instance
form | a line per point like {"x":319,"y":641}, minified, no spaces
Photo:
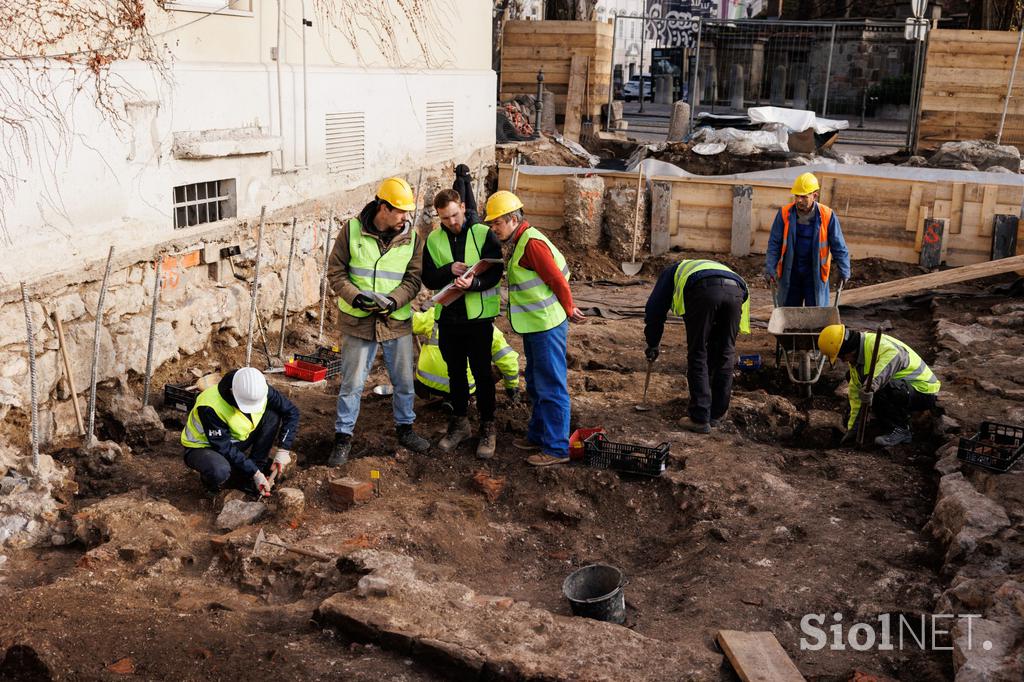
{"x":796,"y":120}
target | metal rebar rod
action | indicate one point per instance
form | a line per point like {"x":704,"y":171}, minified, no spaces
{"x":152,"y":331}
{"x":416,"y":213}
{"x":34,"y":390}
{"x":323,"y":277}
{"x":254,"y":290}
{"x":91,"y":427}
{"x":1009,"y":89}
{"x":287,"y":283}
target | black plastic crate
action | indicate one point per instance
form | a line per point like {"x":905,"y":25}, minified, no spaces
{"x":180,"y":398}
{"x":995,"y":447}
{"x":602,"y":453}
{"x":325,"y":357}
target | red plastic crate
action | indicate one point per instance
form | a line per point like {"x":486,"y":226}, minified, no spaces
{"x":576,"y":441}
{"x":307,"y":371}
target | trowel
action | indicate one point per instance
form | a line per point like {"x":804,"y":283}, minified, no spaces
{"x":644,"y":406}
{"x":632,"y":267}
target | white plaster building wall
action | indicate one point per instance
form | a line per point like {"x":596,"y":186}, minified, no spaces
{"x":101,"y":188}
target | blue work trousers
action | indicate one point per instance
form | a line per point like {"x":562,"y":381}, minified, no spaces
{"x":548,"y":388}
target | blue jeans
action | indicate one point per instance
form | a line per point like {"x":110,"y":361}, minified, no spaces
{"x":548,"y":388}
{"x":357,"y":357}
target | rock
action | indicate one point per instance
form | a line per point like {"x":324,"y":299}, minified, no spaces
{"x":12,"y":324}
{"x":290,"y":504}
{"x":141,"y":425}
{"x":915,"y":162}
{"x":963,"y":516}
{"x":238,"y":513}
{"x":973,"y":336}
{"x":490,"y":486}
{"x":583,"y":212}
{"x":31,"y":501}
{"x":79,"y":336}
{"x":979,"y":153}
{"x":948,"y":425}
{"x":619,"y":220}
{"x":373,"y":586}
{"x":131,"y":341}
{"x":8,"y":459}
{"x":134,"y":529}
{"x":981,"y":649}
{"x":108,"y":451}
{"x":568,"y":507}
{"x":119,"y":301}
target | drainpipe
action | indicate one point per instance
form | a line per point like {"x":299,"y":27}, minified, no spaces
{"x":305,"y":90}
{"x":280,"y":96}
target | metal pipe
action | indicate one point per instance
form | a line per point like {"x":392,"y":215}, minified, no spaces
{"x":323,"y":278}
{"x":915,"y":86}
{"x":152,"y":331}
{"x":696,"y":73}
{"x":305,"y":90}
{"x":643,"y":35}
{"x":1009,"y":89}
{"x":611,"y":76}
{"x":90,"y":429}
{"x":255,"y":287}
{"x":34,"y":390}
{"x":287,"y":283}
{"x":828,"y":71}
{"x":915,"y":113}
{"x":280,"y":94}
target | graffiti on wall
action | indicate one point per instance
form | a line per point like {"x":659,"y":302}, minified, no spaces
{"x":682,"y":20}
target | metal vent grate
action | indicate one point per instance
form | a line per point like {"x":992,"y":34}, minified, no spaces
{"x":346,"y":142}
{"x":440,"y":128}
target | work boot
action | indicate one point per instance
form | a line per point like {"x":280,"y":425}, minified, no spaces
{"x":526,"y":444}
{"x":411,"y":440}
{"x":897,"y":436}
{"x":697,"y":427}
{"x":488,"y":440}
{"x":458,"y":431}
{"x":342,"y":446}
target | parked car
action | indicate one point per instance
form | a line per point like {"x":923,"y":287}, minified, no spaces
{"x":631,"y":90}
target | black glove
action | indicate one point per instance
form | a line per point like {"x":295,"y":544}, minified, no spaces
{"x":652,"y":353}
{"x":513,"y":394}
{"x":462,"y":171}
{"x":391,"y":307}
{"x":364,"y":302}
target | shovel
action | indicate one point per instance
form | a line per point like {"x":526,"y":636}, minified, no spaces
{"x":644,"y":406}
{"x":632,"y":267}
{"x":261,"y":540}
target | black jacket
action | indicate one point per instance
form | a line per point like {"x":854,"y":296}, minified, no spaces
{"x":219,"y":435}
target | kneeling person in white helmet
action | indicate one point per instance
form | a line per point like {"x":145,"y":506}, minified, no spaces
{"x":901,"y":385}
{"x":241,"y":413}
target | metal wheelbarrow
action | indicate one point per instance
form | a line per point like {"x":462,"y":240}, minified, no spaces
{"x":796,"y":332}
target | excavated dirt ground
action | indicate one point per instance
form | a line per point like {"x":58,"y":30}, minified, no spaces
{"x":751,"y":528}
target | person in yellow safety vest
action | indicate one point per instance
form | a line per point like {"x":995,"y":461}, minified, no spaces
{"x":804,"y":239}
{"x":374,"y":270}
{"x":241,"y":412}
{"x":432,"y":371}
{"x":902,"y":383}
{"x":540,"y":307}
{"x":714,"y":303}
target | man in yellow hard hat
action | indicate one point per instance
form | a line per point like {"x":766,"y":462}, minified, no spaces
{"x":902,"y":381}
{"x":375,"y":271}
{"x":540,"y":307}
{"x":804,"y":240}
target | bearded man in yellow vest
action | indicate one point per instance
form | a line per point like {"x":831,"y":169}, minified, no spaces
{"x":902,"y":382}
{"x":714,"y":303}
{"x":540,"y":307}
{"x":240,"y":413}
{"x":374,"y":270}
{"x":804,"y":240}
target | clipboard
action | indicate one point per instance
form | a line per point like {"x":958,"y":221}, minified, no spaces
{"x":451,"y":293}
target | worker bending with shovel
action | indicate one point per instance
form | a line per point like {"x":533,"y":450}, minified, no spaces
{"x":241,"y":412}
{"x":804,"y":239}
{"x":714,"y":304}
{"x":901,"y":380}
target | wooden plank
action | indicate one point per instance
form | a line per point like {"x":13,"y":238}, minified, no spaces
{"x":973,"y":37}
{"x":957,"y":209}
{"x":511,"y":54}
{"x":916,"y":190}
{"x":574,"y":99}
{"x":1004,"y":236}
{"x":911,"y":285}
{"x":526,"y":27}
{"x":758,"y":657}
{"x":742,"y":205}
{"x":661,"y":215}
{"x":988,"y":211}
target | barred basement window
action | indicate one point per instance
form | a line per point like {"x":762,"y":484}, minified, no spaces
{"x":204,"y":202}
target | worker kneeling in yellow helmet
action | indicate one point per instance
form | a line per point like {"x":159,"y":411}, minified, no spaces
{"x":804,"y":239}
{"x":902,"y":382}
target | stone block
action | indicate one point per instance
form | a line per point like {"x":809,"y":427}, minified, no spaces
{"x":584,"y":210}
{"x":238,"y":513}
{"x":12,"y":323}
{"x":349,"y":491}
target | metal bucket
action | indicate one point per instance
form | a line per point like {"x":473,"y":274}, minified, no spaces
{"x":595,"y":591}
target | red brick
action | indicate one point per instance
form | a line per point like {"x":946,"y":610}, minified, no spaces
{"x":348,"y":491}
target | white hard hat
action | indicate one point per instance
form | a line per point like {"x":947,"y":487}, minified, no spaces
{"x":249,"y":387}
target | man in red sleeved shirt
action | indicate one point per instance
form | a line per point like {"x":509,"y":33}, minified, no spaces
{"x":540,"y":307}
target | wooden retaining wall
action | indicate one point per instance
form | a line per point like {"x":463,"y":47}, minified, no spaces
{"x":529,"y":45}
{"x":965,"y":85}
{"x":880,"y":217}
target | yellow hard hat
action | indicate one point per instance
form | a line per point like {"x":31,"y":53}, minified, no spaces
{"x":805,"y":184}
{"x":501,"y":203}
{"x":830,"y":340}
{"x":398,"y":193}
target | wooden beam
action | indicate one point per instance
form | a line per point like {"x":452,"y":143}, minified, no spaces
{"x":574,"y":100}
{"x":758,"y":657}
{"x":911,"y":285}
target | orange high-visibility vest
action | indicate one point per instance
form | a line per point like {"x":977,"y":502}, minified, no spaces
{"x":824,"y":253}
